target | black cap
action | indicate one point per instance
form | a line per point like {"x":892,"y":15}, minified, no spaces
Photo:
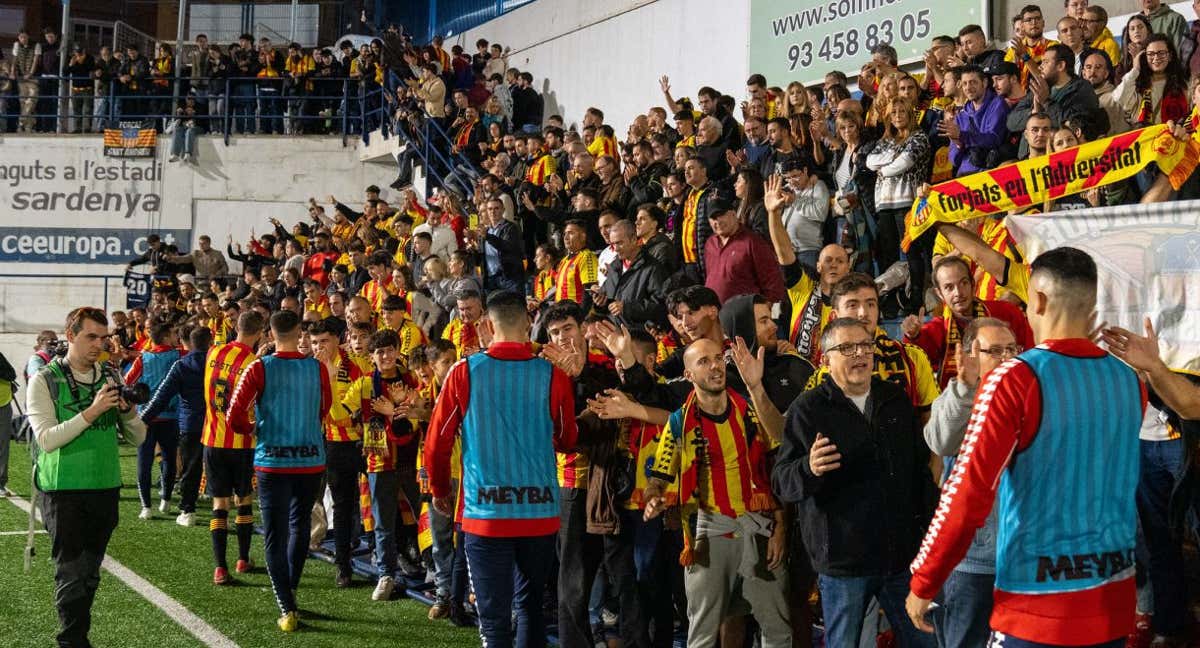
{"x":1003,"y":68}
{"x":720,"y":203}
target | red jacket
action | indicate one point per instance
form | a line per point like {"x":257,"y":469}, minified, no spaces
{"x":932,"y":337}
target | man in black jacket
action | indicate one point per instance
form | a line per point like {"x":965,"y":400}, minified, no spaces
{"x":501,"y":250}
{"x":633,"y":287}
{"x":785,"y":372}
{"x":855,"y":461}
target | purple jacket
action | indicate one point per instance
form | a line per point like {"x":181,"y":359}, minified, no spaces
{"x":982,"y":129}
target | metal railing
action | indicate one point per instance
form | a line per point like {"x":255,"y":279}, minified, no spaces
{"x":241,"y":105}
{"x":80,"y":290}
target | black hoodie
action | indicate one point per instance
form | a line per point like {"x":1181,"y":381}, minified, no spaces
{"x":784,"y":374}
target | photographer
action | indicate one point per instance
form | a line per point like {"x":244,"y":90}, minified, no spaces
{"x":76,"y":409}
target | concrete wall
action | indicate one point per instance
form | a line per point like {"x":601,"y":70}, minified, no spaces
{"x":612,"y":53}
{"x":232,"y":190}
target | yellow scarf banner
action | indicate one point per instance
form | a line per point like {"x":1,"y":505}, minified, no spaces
{"x":1031,"y":182}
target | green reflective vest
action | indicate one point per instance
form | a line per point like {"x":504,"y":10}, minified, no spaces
{"x":91,"y":461}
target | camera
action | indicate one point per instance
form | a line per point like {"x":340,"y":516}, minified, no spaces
{"x":138,"y":394}
{"x":58,"y":348}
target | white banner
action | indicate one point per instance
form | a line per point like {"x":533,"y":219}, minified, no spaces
{"x":1148,"y":258}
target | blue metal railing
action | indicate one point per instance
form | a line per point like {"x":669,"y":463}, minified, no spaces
{"x":248,"y":105}
{"x":104,"y":278}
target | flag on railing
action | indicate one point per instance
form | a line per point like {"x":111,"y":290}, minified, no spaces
{"x":131,"y":139}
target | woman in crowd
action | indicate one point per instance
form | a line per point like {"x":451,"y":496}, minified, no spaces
{"x":1135,"y":36}
{"x":748,"y":187}
{"x":901,"y":160}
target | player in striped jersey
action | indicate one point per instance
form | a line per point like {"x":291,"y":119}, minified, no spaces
{"x":343,"y":446}
{"x":229,"y":457}
{"x":395,"y":318}
{"x":215,"y":320}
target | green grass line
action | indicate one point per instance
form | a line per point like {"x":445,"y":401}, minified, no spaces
{"x":179,"y":562}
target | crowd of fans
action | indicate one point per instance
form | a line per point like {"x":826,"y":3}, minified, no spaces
{"x":658,"y":262}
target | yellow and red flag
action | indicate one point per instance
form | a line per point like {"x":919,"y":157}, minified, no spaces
{"x":1049,"y":177}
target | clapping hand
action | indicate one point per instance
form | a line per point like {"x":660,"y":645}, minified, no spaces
{"x":824,"y":456}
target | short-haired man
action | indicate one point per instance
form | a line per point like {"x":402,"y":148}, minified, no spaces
{"x":976,"y":49}
{"x":378,"y":404}
{"x":942,"y":336}
{"x":633,"y":290}
{"x":162,"y":432}
{"x":463,"y":331}
{"x":1056,"y":91}
{"x":1029,"y":44}
{"x":966,"y":600}
{"x":504,"y":403}
{"x":291,"y":396}
{"x":1097,"y":34}
{"x":76,"y":412}
{"x":979,"y":128}
{"x":1164,"y":20}
{"x":855,"y":462}
{"x":185,"y":381}
{"x":737,"y":261}
{"x":343,"y":446}
{"x":856,"y":296}
{"x":1045,"y":595}
{"x":394,"y":316}
{"x":229,"y":457}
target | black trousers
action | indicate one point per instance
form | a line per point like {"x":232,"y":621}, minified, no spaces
{"x":580,"y":555}
{"x":191,"y":454}
{"x":80,"y":523}
{"x":343,"y":463}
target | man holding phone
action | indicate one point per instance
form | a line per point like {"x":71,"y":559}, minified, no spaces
{"x":76,"y":410}
{"x":854,"y":461}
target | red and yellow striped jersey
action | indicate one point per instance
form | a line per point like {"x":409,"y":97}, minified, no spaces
{"x":343,"y":429}
{"x":462,"y":335}
{"x":356,"y":405}
{"x":541,"y":170}
{"x":222,"y":369}
{"x":691,"y":250}
{"x":375,"y":292}
{"x":320,"y":307}
{"x":643,"y":444}
{"x":603,"y":145}
{"x":543,"y":283}
{"x":994,"y":232}
{"x":411,"y":337}
{"x":221,"y":327}
{"x":720,"y":459}
{"x":344,"y":231}
{"x":574,"y":274}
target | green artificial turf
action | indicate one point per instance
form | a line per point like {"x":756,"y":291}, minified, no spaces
{"x":179,"y":562}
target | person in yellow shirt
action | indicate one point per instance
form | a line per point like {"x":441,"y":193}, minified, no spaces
{"x":1027,"y":50}
{"x":314,"y":300}
{"x":395,"y":317}
{"x":1096,"y":32}
{"x":358,"y":338}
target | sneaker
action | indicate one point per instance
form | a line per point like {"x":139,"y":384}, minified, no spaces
{"x":459,"y":617}
{"x":221,"y":576}
{"x":174,"y":158}
{"x":244,"y":566}
{"x":146,"y":513}
{"x":440,"y":609}
{"x":289,"y":622}
{"x":186,"y":519}
{"x":164,"y":506}
{"x":383,"y":589}
{"x":5,"y":493}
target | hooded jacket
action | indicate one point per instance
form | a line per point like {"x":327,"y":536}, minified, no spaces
{"x":784,"y":374}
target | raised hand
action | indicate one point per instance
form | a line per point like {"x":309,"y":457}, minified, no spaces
{"x":749,"y":365}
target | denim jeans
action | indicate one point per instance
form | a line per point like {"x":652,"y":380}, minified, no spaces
{"x":966,"y":608}
{"x":183,"y":141}
{"x":285,"y":501}
{"x":385,"y":487}
{"x":508,"y":575}
{"x":442,"y":530}
{"x":844,"y":601}
{"x":242,"y":107}
{"x":164,"y":434}
{"x":1161,"y":470}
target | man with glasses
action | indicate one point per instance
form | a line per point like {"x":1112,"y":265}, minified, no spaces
{"x":966,"y":601}
{"x":942,"y":336}
{"x":1163,"y":20}
{"x":1096,"y":32}
{"x":855,"y":463}
{"x":1027,"y":49}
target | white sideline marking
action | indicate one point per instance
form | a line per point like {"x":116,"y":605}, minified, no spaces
{"x":20,"y":533}
{"x":195,"y":626}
